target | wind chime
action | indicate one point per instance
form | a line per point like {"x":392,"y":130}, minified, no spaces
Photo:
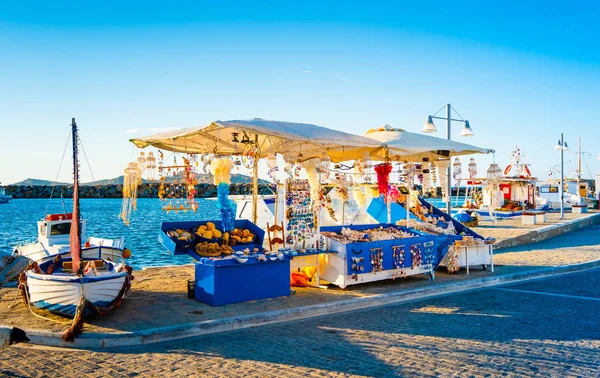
{"x":150,"y":166}
{"x":272,"y":167}
{"x":177,"y":189}
{"x":221,"y":169}
{"x":441,"y":170}
{"x":131,"y":181}
{"x":456,"y":172}
{"x":472,"y":168}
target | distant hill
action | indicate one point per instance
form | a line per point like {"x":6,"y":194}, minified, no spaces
{"x":236,"y":178}
{"x":112,"y":181}
{"x":38,"y":182}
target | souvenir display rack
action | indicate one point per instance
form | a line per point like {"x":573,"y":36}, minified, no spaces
{"x":368,"y":261}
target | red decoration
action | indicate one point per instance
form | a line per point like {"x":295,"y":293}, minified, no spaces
{"x":383,"y":177}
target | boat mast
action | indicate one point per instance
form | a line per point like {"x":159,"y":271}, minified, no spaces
{"x":75,"y":233}
{"x":579,"y":163}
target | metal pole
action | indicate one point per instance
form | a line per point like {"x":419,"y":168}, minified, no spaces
{"x":449,"y":184}
{"x":562,"y":177}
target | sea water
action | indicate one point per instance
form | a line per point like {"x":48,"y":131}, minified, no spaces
{"x":18,"y":221}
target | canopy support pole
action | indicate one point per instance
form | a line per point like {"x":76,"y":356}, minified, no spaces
{"x":255,"y":186}
{"x":449,"y":172}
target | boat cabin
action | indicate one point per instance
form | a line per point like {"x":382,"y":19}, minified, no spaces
{"x":54,"y":230}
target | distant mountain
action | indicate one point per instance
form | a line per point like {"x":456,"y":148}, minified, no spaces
{"x":236,"y":178}
{"x":38,"y":182}
{"x":112,"y":181}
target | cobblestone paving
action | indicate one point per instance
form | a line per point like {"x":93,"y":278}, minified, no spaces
{"x":491,"y":332}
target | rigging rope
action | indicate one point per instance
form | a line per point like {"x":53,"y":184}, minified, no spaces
{"x":57,"y":173}
{"x":89,"y":167}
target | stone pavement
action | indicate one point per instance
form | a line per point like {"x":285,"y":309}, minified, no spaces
{"x":159,"y":296}
{"x":540,"y":328}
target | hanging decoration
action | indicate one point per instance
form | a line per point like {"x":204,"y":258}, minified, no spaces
{"x":313,"y":179}
{"x":456,"y":172}
{"x":272,"y":167}
{"x":131,"y":181}
{"x":393,"y":194}
{"x":250,"y":155}
{"x":360,"y":197}
{"x":434,"y":174}
{"x":221,"y":170}
{"x":177,"y":189}
{"x":442,"y":171}
{"x":383,"y":177}
{"x":150,"y":166}
{"x":141,"y":162}
{"x":472,"y":168}
{"x":326,"y":202}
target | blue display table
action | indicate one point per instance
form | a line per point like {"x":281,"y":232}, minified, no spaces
{"x":224,"y":281}
{"x":221,"y":281}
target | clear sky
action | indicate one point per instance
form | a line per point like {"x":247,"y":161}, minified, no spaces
{"x":522,"y":72}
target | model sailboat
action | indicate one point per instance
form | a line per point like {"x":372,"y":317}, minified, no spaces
{"x":77,"y":286}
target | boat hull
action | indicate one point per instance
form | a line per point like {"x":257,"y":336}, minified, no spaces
{"x":61,"y":294}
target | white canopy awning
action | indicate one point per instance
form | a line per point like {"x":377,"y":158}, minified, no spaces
{"x":413,"y":147}
{"x":295,"y":141}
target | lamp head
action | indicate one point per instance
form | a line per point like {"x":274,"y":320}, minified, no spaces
{"x":566,"y":147}
{"x":558,"y":145}
{"x":467,"y":131}
{"x":429,"y":126}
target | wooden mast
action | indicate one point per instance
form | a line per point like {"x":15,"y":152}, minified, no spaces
{"x":75,"y":233}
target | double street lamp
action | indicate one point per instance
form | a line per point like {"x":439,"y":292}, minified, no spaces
{"x":562,"y":146}
{"x":466,"y":131}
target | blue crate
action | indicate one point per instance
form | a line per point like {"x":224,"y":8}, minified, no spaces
{"x":225,"y":281}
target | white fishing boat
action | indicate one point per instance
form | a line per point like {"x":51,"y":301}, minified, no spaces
{"x":53,"y":239}
{"x":4,"y":198}
{"x":504,"y":193}
{"x":76,"y":286}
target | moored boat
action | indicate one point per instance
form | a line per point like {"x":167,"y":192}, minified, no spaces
{"x":4,"y":198}
{"x":76,"y":286}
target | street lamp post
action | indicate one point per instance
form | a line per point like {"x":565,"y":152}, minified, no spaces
{"x":562,"y":146}
{"x":429,"y":127}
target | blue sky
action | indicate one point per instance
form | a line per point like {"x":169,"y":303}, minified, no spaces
{"x":521,"y":73}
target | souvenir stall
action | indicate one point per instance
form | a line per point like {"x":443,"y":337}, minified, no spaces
{"x":233,"y":264}
{"x":344,"y":254}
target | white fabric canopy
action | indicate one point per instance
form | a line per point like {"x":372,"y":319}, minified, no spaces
{"x":295,"y":141}
{"x":413,"y":147}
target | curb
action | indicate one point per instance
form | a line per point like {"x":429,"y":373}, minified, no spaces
{"x":548,"y":232}
{"x":154,"y":335}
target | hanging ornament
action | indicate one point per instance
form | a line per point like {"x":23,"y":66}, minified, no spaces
{"x":393,"y":194}
{"x":383,"y":177}
{"x":273,"y":168}
{"x":456,"y":172}
{"x":150,"y":166}
{"x":177,"y":189}
{"x":472,"y":168}
{"x":442,"y":171}
{"x":221,"y":169}
{"x":313,"y":180}
{"x":131,"y":180}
